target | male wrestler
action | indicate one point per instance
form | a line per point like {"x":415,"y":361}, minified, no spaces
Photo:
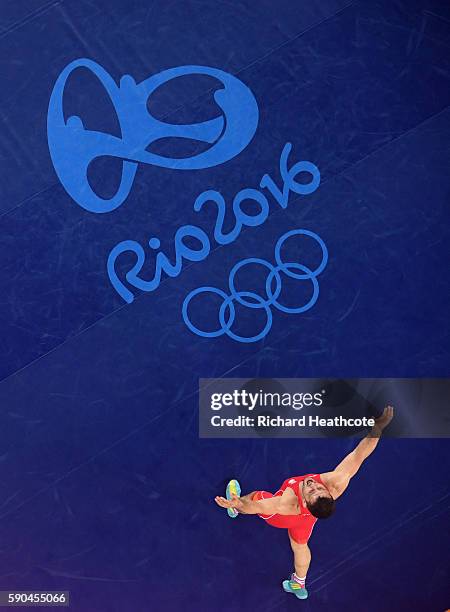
{"x":302,"y":500}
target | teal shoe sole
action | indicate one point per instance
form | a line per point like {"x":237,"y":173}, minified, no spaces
{"x":299,"y":593}
{"x":233,"y":487}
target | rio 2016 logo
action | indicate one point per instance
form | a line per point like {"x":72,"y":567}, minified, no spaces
{"x":73,"y":148}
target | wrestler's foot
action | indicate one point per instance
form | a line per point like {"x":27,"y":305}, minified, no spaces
{"x":233,"y":488}
{"x":291,"y":586}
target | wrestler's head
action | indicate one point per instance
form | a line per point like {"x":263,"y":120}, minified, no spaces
{"x":319,"y":500}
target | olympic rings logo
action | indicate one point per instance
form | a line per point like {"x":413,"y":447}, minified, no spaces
{"x":273,"y":286}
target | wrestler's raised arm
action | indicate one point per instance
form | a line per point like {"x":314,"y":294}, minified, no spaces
{"x":337,"y":480}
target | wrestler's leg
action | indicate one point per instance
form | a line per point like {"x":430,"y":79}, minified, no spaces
{"x":302,"y":557}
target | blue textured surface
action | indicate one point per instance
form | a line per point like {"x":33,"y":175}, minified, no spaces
{"x":105,"y":488}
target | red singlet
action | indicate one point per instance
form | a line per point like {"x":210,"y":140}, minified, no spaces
{"x":300,"y":526}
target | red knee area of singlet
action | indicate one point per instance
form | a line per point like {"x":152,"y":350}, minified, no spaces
{"x":259,"y":495}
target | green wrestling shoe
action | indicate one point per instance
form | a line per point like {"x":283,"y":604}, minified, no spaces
{"x":291,"y":586}
{"x":233,"y":488}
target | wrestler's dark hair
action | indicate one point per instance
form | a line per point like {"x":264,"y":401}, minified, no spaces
{"x":322,"y":508}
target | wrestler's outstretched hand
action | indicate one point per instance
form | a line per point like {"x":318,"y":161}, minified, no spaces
{"x":384,"y":420}
{"x":234,"y":502}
